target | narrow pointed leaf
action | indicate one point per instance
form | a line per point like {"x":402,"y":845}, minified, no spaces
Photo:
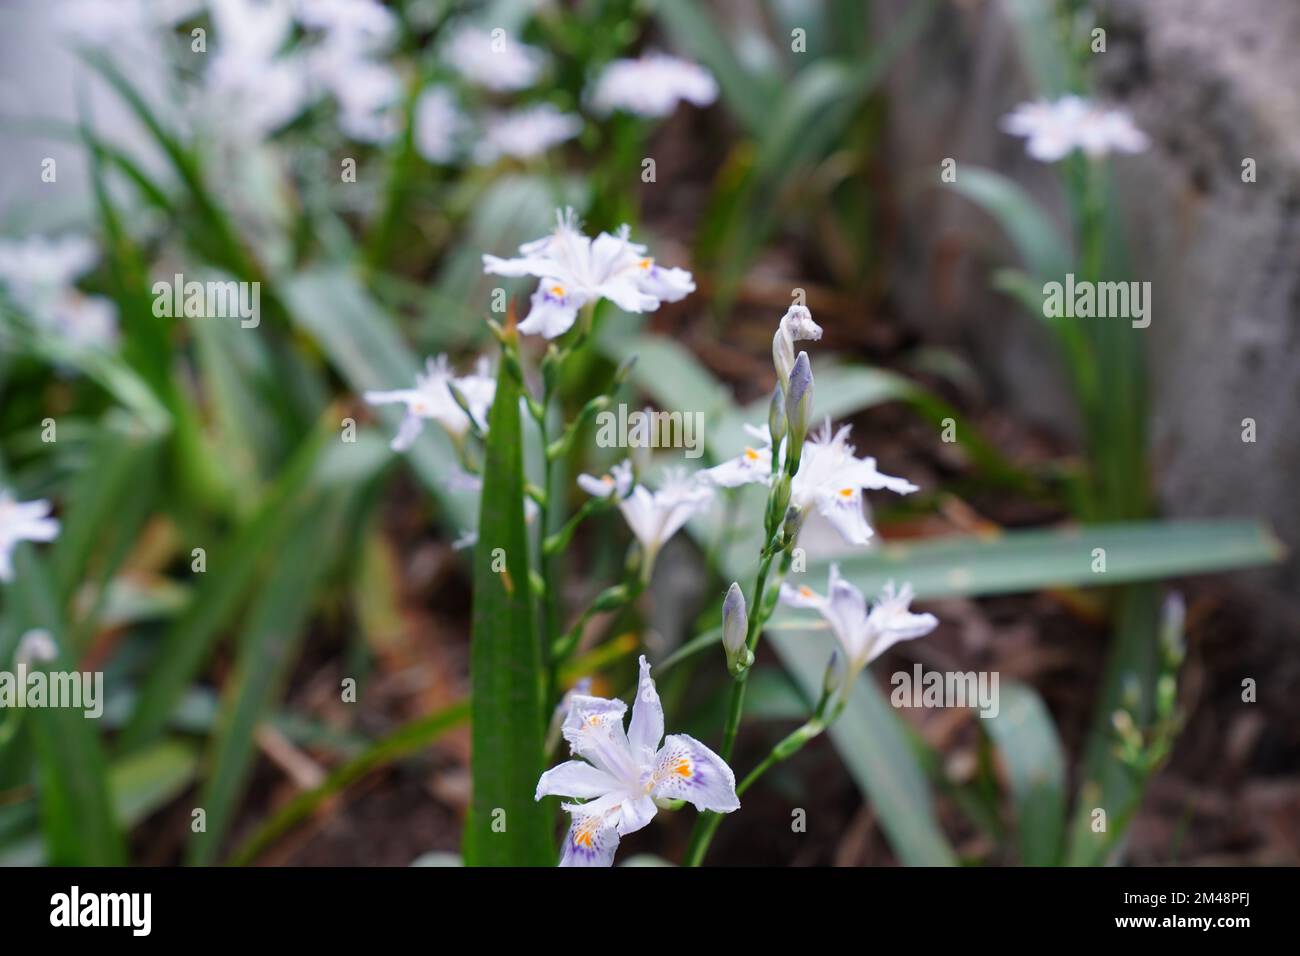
{"x":506,"y":826}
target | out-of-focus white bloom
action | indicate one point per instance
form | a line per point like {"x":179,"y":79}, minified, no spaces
{"x":37,"y":263}
{"x":616,"y":483}
{"x":251,"y":89}
{"x":654,"y":517}
{"x":754,"y":464}
{"x":39,"y":273}
{"x":863,"y":634}
{"x":652,"y":85}
{"x":832,"y":480}
{"x":369,"y":96}
{"x":36,"y":647}
{"x":576,"y":269}
{"x":22,"y":521}
{"x":525,"y":133}
{"x":438,"y":125}
{"x":493,"y":60}
{"x":84,"y":320}
{"x":1054,"y":130}
{"x":797,"y":325}
{"x":364,"y":26}
{"x":256,"y":88}
{"x":432,"y":399}
{"x":252,"y":29}
{"x":623,"y":773}
{"x":254,"y":97}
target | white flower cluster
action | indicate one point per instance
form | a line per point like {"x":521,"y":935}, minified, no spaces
{"x":650,"y":86}
{"x":577,"y":270}
{"x":39,"y":274}
{"x":257,"y":86}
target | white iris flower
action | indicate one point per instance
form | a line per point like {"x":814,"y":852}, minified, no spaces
{"x":654,"y":517}
{"x":615,"y":484}
{"x":499,"y":63}
{"x":652,"y":85}
{"x":863,"y":634}
{"x":576,"y":269}
{"x":22,"y":521}
{"x":39,"y":274}
{"x":525,"y":133}
{"x":623,"y":773}
{"x":1054,"y":130}
{"x":431,"y":399}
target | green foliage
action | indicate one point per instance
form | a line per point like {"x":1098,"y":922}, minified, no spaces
{"x":506,"y":825}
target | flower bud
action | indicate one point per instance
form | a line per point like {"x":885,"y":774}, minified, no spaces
{"x":776,"y":422}
{"x":782,"y":356}
{"x":833,"y":684}
{"x":463,"y":403}
{"x":612,"y":598}
{"x":794,"y":516}
{"x":798,"y":405}
{"x":796,"y":325}
{"x":735,"y":630}
{"x":1172,"y":641}
{"x":1166,"y":696}
{"x":623,"y":372}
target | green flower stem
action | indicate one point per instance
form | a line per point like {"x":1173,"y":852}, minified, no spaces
{"x":550,"y":513}
{"x":762,"y":604}
{"x":557,"y":542}
{"x":613,"y":598}
{"x":708,"y":822}
{"x":763,"y":607}
{"x":784,"y":750}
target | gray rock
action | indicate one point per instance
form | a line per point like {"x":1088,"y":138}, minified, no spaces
{"x":1212,"y":84}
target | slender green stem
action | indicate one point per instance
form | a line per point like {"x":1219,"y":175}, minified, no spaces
{"x":708,"y":823}
{"x":551,"y":512}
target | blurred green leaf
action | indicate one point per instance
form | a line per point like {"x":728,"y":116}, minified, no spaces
{"x":72,"y":790}
{"x":693,"y":31}
{"x":232,"y":565}
{"x":1020,"y":561}
{"x":1038,"y":240}
{"x":267,"y":650}
{"x":1031,"y":753}
{"x":362,"y":342}
{"x":1105,"y":782}
{"x":1038,"y":32}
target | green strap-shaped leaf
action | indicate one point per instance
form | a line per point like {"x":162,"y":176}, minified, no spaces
{"x":506,"y":826}
{"x":1031,"y":753}
{"x":1044,"y":251}
{"x":1020,"y":561}
{"x":268,"y":649}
